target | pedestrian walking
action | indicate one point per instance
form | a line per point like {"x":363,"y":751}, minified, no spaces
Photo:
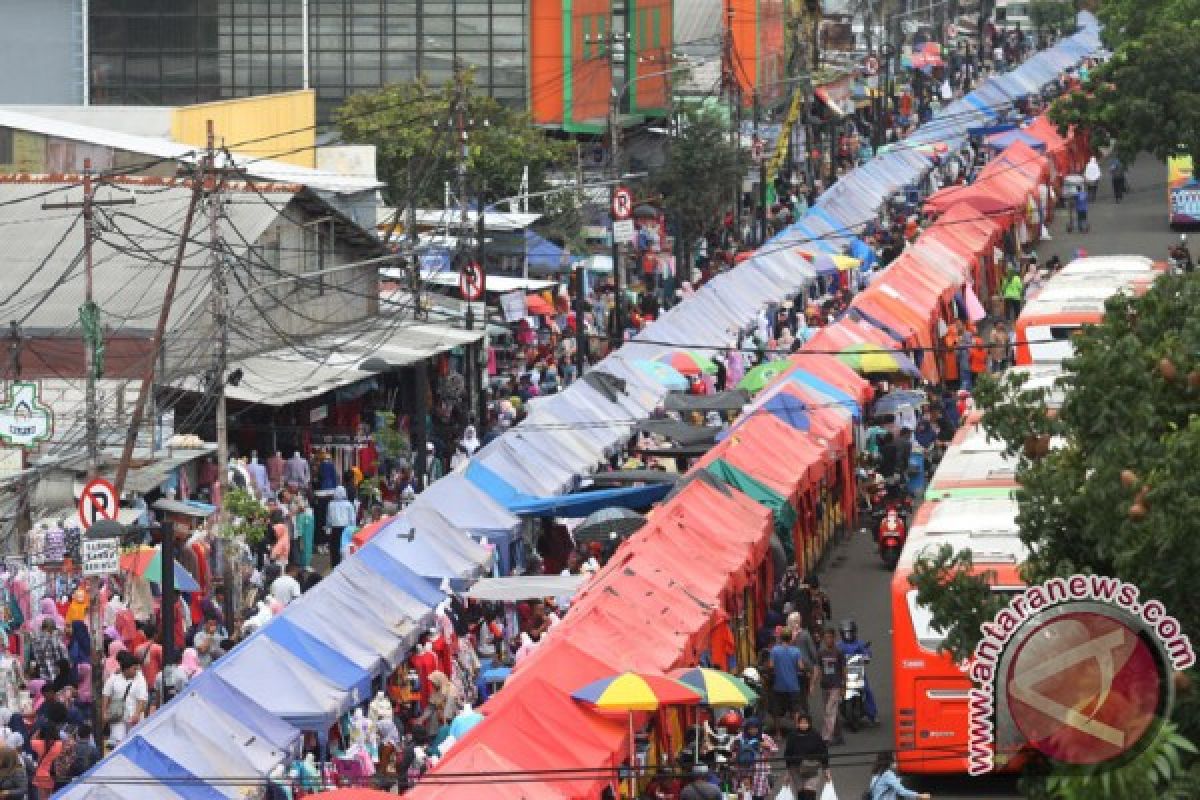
{"x":807,"y":758}
{"x":1013,"y":291}
{"x":1081,"y":210}
{"x":885,"y":783}
{"x":788,"y":667}
{"x":1119,"y":183}
{"x":832,"y":668}
{"x":1091,"y":174}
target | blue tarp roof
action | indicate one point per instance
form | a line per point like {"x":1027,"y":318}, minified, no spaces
{"x":149,"y":758}
{"x":839,"y":396}
{"x":578,"y":504}
{"x":541,"y":253}
{"x":341,"y":671}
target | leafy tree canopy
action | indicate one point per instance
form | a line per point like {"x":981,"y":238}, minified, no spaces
{"x":412,"y":126}
{"x":1146,"y":98}
{"x":695,"y":182}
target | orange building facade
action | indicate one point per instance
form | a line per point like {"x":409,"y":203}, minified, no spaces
{"x":571,"y":74}
{"x":759,"y":52}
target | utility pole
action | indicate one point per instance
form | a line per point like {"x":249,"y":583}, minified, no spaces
{"x":212,"y":188}
{"x":89,"y":312}
{"x":475,"y":398}
{"x":90,"y":318}
{"x":156,"y":347}
{"x":614,"y":136}
{"x":734,"y":97}
{"x":581,"y":338}
{"x":762,"y":168}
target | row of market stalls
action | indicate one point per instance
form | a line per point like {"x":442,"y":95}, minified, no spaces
{"x":657,"y":606}
{"x":746,"y":507}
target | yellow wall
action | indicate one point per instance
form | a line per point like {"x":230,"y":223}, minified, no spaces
{"x":252,"y":118}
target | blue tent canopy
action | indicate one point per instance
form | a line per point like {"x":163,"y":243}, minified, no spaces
{"x":839,"y":396}
{"x":153,"y":761}
{"x":341,"y":671}
{"x":209,"y":686}
{"x":542,"y":255}
{"x":377,"y":560}
{"x":578,"y":504}
{"x":857,"y":313}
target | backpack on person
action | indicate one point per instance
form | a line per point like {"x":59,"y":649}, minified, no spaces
{"x":63,"y":767}
{"x":747,"y":753}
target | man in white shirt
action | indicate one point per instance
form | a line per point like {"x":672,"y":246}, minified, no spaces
{"x":124,"y":699}
{"x":286,"y":588}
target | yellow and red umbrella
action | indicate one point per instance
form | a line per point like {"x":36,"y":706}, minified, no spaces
{"x":636,"y":691}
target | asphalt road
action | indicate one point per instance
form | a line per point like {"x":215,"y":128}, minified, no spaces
{"x":856,"y":580}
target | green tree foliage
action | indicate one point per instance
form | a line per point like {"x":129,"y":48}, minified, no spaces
{"x":960,"y":597}
{"x":413,"y":124}
{"x":695,"y":182}
{"x":1158,"y":771}
{"x":1121,"y":496}
{"x":1048,"y":15}
{"x":247,"y":516}
{"x":1146,"y":99}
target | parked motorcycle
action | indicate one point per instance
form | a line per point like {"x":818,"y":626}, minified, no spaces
{"x":853,"y":706}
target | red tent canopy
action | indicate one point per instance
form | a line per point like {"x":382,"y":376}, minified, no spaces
{"x":1058,"y":147}
{"x":1023,"y":160}
{"x":549,"y":731}
{"x":768,"y":449}
{"x":829,"y":422}
{"x":479,"y":759}
{"x":844,"y":333}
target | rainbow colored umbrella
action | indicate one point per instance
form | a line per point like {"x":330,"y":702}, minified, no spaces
{"x":636,"y":691}
{"x":760,"y":376}
{"x":870,"y":358}
{"x":688,"y":362}
{"x":716,"y":687}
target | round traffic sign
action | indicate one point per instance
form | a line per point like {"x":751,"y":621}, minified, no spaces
{"x":872,"y":65}
{"x":622,"y":203}
{"x":98,"y":501}
{"x":471,"y":281}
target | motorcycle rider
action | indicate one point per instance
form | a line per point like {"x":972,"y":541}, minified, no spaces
{"x":849,"y":644}
{"x":1181,"y":256}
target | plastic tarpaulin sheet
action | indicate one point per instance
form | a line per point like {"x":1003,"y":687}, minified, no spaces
{"x":580,"y":504}
{"x":1002,"y":141}
{"x":286,"y":686}
{"x":138,"y":771}
{"x":338,"y":669}
{"x":424,"y":554}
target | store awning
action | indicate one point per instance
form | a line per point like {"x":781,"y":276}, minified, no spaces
{"x":525,"y":587}
{"x":325,"y":363}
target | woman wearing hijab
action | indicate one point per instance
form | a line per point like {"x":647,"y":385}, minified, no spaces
{"x":807,"y":758}
{"x":110,"y":664}
{"x":444,"y":703}
{"x":189,"y":662}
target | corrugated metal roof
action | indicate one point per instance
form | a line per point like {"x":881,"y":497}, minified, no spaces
{"x":131,"y":259}
{"x":155,"y":147}
{"x":324,"y":363}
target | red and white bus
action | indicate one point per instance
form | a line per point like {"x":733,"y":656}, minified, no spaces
{"x":929,"y":687}
{"x":1073,"y":298}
